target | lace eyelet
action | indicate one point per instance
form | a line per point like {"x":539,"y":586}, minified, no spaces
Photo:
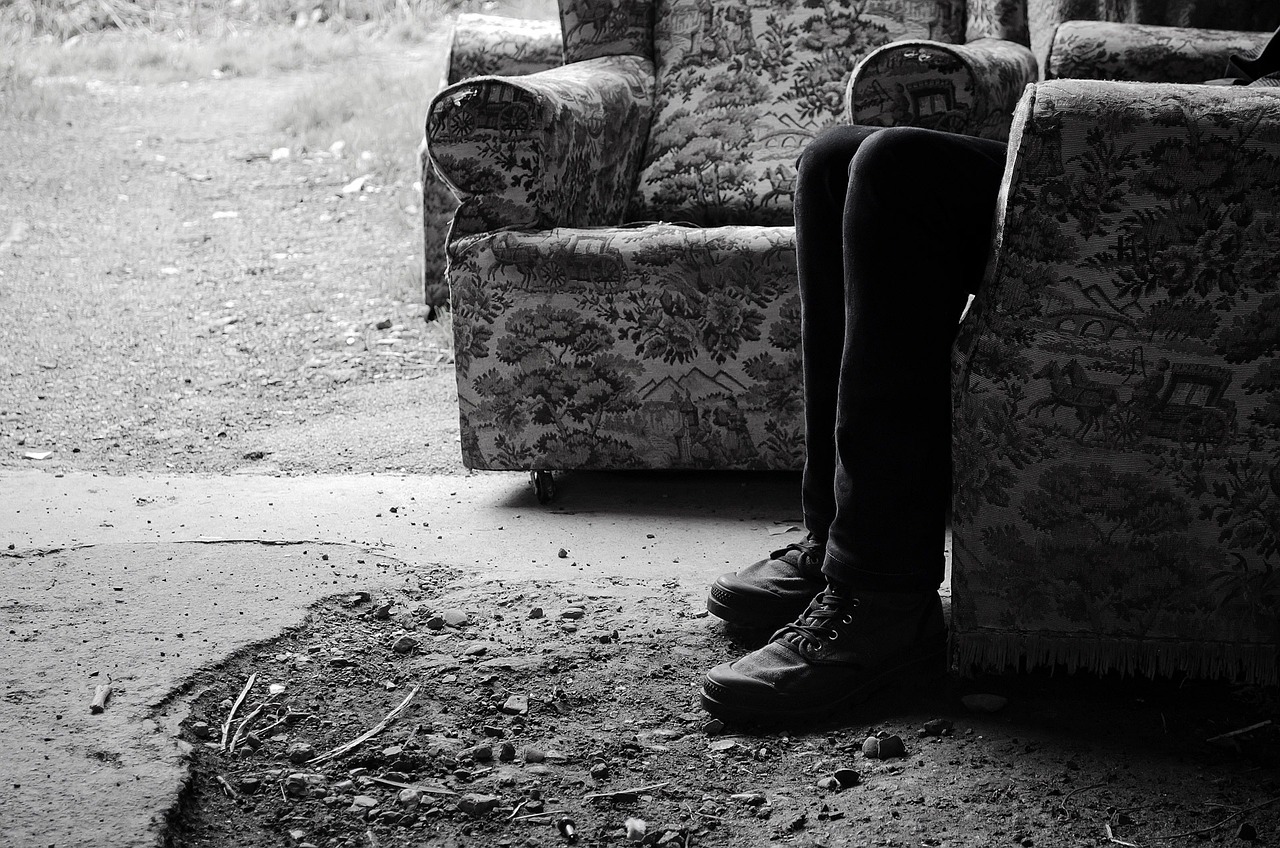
{"x":846,"y":619}
{"x":833,"y":635}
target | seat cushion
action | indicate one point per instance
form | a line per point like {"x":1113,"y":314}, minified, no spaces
{"x":615,"y":348}
{"x":742,"y":86}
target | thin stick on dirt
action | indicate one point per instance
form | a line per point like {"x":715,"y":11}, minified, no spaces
{"x":517,"y":810}
{"x":1236,"y":814}
{"x":100,"y":696}
{"x":368,"y":734}
{"x":1062,"y":805}
{"x":532,"y":816}
{"x":636,"y":790}
{"x":1239,"y":732}
{"x":226,"y":787}
{"x":249,"y":719}
{"x":1112,"y":838}
{"x":226,"y":725}
{"x":430,"y":789}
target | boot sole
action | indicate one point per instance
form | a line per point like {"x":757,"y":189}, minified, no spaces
{"x":921,"y":669}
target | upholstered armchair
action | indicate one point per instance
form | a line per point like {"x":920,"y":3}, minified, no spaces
{"x":1117,"y":387}
{"x":621,"y":265}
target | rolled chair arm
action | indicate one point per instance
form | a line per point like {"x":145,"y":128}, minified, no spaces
{"x":557,"y":148}
{"x":1143,"y":53}
{"x":962,"y":88}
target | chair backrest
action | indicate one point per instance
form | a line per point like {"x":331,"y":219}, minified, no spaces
{"x":742,"y":85}
{"x":1043,"y":16}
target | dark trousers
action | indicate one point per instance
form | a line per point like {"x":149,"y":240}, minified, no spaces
{"x":893,"y":230}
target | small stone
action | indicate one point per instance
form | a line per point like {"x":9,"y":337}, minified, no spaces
{"x":751,"y":799}
{"x":341,"y":662}
{"x":404,"y":645}
{"x":477,"y":805}
{"x":984,"y":703}
{"x":533,"y":755}
{"x":392,"y":752}
{"x":297,"y":835}
{"x":250,"y":785}
{"x":936,"y":727}
{"x":398,"y":776}
{"x":1246,"y":832}
{"x":409,"y":798}
{"x":562,"y":553}
{"x":363,"y":802}
{"x":253,"y":741}
{"x":723,"y":746}
{"x":456,"y":618}
{"x":847,"y":777}
{"x":798,"y":823}
{"x":572,"y":613}
{"x":382,"y":612}
{"x":506,"y":752}
{"x":636,"y":829}
{"x":534,"y":805}
{"x":536,"y":612}
{"x":493,"y":731}
{"x":829,"y":783}
{"x":883,"y":747}
{"x":435,"y":622}
{"x":344,"y":787}
{"x":476,"y":649}
{"x":200,"y":730}
{"x":600,"y":771}
{"x":713,"y":727}
{"x":301,"y":752}
{"x":516,"y":705}
{"x":481,"y":753}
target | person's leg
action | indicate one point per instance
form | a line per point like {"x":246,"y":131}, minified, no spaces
{"x":773,"y":591}
{"x":917,"y":238}
{"x":916,"y":232}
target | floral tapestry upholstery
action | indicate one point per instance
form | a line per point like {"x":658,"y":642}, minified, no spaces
{"x":559,"y":147}
{"x":1044,"y":17}
{"x":744,"y":84}
{"x":1144,"y":53}
{"x":479,"y":44}
{"x":595,"y":28}
{"x":1117,"y":389}
{"x":655,"y":346}
{"x":970,"y":89}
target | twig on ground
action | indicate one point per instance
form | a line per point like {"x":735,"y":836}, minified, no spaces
{"x":226,"y":725}
{"x":408,"y":740}
{"x":517,"y":810}
{"x":635,"y":790}
{"x":368,"y":734}
{"x":1111,"y":837}
{"x":226,"y":787}
{"x":100,"y":696}
{"x":248,"y":720}
{"x":1062,"y":805}
{"x":430,"y":789}
{"x":1239,"y":732}
{"x":1236,"y":814}
{"x":532,"y":816}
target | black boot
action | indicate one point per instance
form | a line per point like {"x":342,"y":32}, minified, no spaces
{"x":771,"y":592}
{"x":841,"y":650}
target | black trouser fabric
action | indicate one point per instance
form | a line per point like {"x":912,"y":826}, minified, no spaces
{"x":893,"y":230}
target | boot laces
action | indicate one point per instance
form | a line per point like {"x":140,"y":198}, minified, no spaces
{"x":810,"y":558}
{"x":820,"y":622}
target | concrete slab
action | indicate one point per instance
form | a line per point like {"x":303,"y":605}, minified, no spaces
{"x":100,"y":574}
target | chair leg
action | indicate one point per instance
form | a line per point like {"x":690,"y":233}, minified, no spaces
{"x":544,"y":485}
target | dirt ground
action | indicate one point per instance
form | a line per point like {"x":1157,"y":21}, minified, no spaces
{"x":528,"y":705}
{"x":176,"y":301}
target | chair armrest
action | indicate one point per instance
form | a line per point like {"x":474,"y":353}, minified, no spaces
{"x":1132,"y":206}
{"x":1144,"y":53}
{"x":962,"y":88}
{"x":561,"y":147}
{"x":485,"y":45}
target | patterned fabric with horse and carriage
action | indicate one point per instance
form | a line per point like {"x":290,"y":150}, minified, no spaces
{"x":1117,"y":429}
